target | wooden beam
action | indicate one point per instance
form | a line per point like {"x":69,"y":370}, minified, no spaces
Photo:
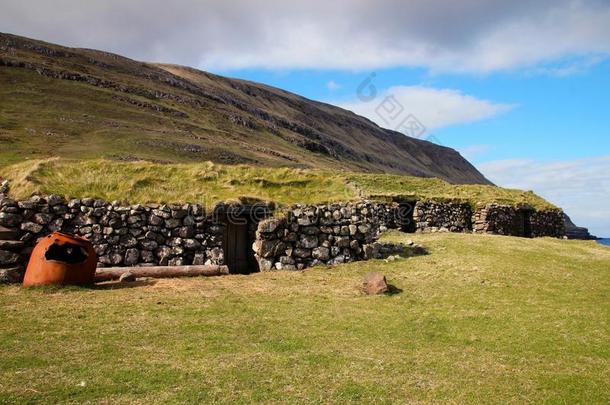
{"x":114,"y":273}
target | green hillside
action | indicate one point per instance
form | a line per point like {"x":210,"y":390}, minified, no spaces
{"x":86,"y":104}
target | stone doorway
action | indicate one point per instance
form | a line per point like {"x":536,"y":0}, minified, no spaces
{"x":239,"y":256}
{"x":405,"y":220}
{"x":240,"y":232}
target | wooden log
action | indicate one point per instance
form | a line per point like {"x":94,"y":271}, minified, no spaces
{"x":114,"y":273}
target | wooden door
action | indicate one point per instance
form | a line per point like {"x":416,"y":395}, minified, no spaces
{"x":238,"y":248}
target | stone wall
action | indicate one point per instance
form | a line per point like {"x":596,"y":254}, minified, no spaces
{"x":518,"y":221}
{"x":122,"y":235}
{"x":184,"y":234}
{"x":499,"y":220}
{"x":549,"y":223}
{"x":433,"y":216}
{"x":322,"y":234}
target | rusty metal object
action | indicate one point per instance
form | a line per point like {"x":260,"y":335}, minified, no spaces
{"x":61,"y":259}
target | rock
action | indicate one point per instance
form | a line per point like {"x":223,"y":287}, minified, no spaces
{"x":364,"y":229}
{"x":269,"y":225}
{"x":54,"y":199}
{"x":188,"y":221}
{"x":375,"y":284}
{"x":343,"y":242}
{"x":310,"y":230}
{"x":176,"y":261}
{"x":184,"y":232}
{"x":353,"y":230}
{"x":172,"y":223}
{"x":215,"y":255}
{"x":43,"y":219}
{"x":287,"y":267}
{"x":308,"y":241}
{"x":8,"y":258}
{"x":31,"y":227}
{"x":199,"y":259}
{"x":321,"y":253}
{"x":10,"y":220}
{"x":191,"y":244}
{"x":129,"y":241}
{"x":147,"y":256}
{"x":113,"y":258}
{"x":97,"y":203}
{"x":12,"y":245}
{"x":100,"y":249}
{"x":4,"y":187}
{"x":291,"y":237}
{"x":128,"y":277}
{"x":304,"y":221}
{"x":264,"y":264}
{"x":155,"y":220}
{"x":286,"y":260}
{"x":265,"y":248}
{"x":302,"y":253}
{"x":340,"y":259}
{"x":179,"y":213}
{"x":149,"y":244}
{"x":132,"y":257}
{"x":11,"y":275}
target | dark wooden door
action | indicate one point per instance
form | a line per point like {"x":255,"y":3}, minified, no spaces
{"x":238,"y":249}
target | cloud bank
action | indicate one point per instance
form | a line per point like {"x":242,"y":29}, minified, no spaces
{"x":433,"y":108}
{"x":443,"y":35}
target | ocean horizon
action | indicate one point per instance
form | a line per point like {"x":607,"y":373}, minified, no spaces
{"x":604,"y":241}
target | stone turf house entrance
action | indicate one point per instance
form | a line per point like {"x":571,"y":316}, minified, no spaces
{"x":241,"y":223}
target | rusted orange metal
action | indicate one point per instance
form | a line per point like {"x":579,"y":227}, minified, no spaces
{"x":61,"y":259}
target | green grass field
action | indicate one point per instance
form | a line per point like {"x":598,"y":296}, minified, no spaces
{"x":208,"y":183}
{"x":480,"y":319}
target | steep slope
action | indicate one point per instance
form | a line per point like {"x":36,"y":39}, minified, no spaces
{"x":79,"y":103}
{"x":577,"y":232}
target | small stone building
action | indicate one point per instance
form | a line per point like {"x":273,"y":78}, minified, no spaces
{"x":243,"y":236}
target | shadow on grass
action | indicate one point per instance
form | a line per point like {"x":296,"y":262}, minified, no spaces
{"x":118,"y":285}
{"x":113,"y":285}
{"x":393,"y":290}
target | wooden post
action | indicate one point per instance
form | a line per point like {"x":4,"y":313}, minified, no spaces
{"x":114,"y":273}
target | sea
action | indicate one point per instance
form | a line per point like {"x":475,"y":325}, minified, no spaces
{"x":604,"y":241}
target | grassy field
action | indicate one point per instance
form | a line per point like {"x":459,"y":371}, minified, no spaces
{"x":208,"y":183}
{"x":480,"y":319}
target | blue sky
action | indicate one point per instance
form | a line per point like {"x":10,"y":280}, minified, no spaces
{"x":520,"y":88}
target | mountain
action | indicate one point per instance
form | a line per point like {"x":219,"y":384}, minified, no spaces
{"x":81,"y":103}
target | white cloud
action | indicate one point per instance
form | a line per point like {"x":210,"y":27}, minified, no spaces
{"x":581,"y":187}
{"x":433,"y":108}
{"x":332,"y":85}
{"x":443,"y":35}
